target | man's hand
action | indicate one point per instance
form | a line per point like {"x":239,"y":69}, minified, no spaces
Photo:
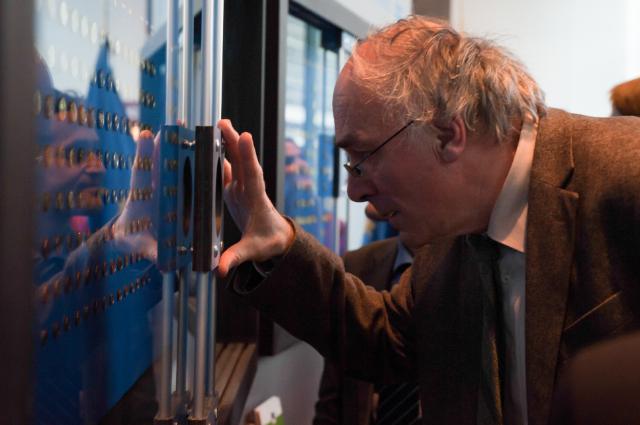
{"x":265,"y":233}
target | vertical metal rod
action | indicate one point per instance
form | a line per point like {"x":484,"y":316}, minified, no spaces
{"x":164,"y":404}
{"x":219,"y":31}
{"x":209,"y":118}
{"x":202,"y":282}
{"x":186,"y":98}
{"x":208,"y":63}
{"x":212,"y":39}
{"x":168,"y":278}
{"x":183,"y":328}
{"x":211,"y":328}
{"x":172,"y":61}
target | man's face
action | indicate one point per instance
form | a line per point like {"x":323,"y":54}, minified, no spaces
{"x":405,"y":180}
{"x":83,"y":176}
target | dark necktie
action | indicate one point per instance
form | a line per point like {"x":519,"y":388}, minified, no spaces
{"x":398,"y":404}
{"x":489,"y":397}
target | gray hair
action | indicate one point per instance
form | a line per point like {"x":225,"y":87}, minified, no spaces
{"x":432,"y":73}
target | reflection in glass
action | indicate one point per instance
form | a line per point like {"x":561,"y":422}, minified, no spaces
{"x":312,"y":70}
{"x":96,"y":248}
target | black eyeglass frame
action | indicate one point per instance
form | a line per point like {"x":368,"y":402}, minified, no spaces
{"x":355,"y":170}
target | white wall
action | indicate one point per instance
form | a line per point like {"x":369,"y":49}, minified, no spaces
{"x":379,"y":12}
{"x":294,"y":376}
{"x":577,"y":50}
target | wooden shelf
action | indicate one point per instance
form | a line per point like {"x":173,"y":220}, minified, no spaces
{"x":236,"y":366}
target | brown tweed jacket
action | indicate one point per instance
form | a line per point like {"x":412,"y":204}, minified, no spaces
{"x":582,"y":273}
{"x":343,"y":400}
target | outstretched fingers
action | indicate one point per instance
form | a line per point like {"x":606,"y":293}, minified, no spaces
{"x":253,"y":177}
{"x":231,"y":138}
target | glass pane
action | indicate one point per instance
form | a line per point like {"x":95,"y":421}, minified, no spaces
{"x":101,"y":80}
{"x":312,"y":71}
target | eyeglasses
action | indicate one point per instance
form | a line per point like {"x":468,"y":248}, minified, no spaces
{"x":355,"y":170}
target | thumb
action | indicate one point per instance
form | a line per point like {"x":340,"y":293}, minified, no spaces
{"x":233,"y":256}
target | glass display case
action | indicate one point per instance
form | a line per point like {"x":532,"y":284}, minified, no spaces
{"x":128,"y":194}
{"x":99,"y":101}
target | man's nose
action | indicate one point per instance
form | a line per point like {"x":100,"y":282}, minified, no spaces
{"x":359,"y":189}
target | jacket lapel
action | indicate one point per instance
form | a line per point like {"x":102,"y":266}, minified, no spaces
{"x":446,"y":288}
{"x":379,"y":268}
{"x":549,"y":251}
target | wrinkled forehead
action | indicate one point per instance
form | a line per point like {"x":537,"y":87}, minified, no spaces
{"x":360,"y":116}
{"x":353,"y":113}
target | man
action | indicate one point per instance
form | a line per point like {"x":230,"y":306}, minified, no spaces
{"x":344,"y":400}
{"x":476,"y":175}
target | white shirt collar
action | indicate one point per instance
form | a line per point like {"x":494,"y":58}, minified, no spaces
{"x":508,"y":222}
{"x":403,"y":256}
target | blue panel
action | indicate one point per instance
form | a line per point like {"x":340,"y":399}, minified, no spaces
{"x":99,"y":109}
{"x":168,"y":198}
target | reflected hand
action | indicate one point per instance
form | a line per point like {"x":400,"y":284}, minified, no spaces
{"x":265,"y":233}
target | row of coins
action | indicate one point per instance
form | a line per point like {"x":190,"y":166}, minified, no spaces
{"x":147,"y":99}
{"x":69,"y":110}
{"x":141,"y":194}
{"x":148,"y":67}
{"x":109,"y":233}
{"x":90,"y":30}
{"x":134,"y":226}
{"x":172,"y":138}
{"x":71,"y":156}
{"x":59,"y":243}
{"x":70,"y":200}
{"x":74,"y":113}
{"x":92,"y":309}
{"x":170,"y":242}
{"x":170,"y":191}
{"x":171,"y":217}
{"x":90,"y":274}
{"x":104,"y":80}
{"x":71,"y":241}
{"x":171,"y":164}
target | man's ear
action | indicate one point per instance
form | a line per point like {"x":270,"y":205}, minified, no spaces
{"x":452,"y":138}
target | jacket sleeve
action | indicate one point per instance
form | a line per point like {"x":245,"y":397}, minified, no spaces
{"x":364,"y":332}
